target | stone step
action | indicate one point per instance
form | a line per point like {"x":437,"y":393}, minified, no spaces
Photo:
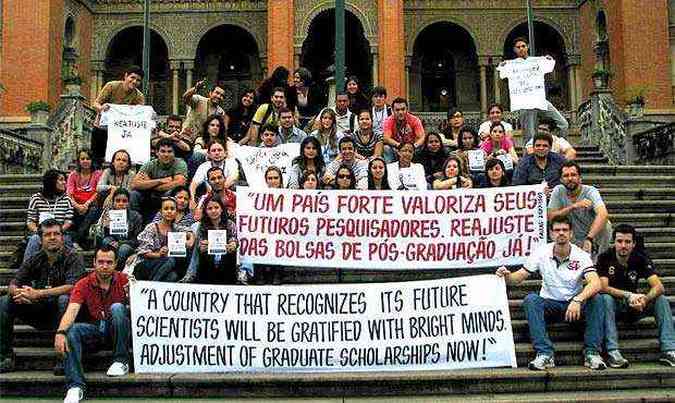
{"x":621,"y":170}
{"x":647,"y":377}
{"x":620,"y":193}
{"x":653,"y":179}
{"x":20,"y":178}
{"x":640,"y":206}
{"x":643,"y":219}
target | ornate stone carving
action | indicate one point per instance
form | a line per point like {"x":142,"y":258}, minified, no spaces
{"x":307,"y":10}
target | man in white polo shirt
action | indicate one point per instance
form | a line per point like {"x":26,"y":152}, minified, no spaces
{"x":563,"y":268}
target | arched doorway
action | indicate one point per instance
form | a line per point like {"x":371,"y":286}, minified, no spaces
{"x":229,"y":54}
{"x":444,"y":70}
{"x":547,"y":42}
{"x":318,"y":49}
{"x":126,"y":49}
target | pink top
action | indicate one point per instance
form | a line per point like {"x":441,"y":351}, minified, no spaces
{"x":505,"y":145}
{"x":410,"y":133}
{"x":82,"y":192}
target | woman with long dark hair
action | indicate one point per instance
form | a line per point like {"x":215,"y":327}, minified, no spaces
{"x":378,"y":178}
{"x":345,"y":179}
{"x":327,"y":135}
{"x":238,"y":118}
{"x":184,"y":216}
{"x":279,"y":78}
{"x":451,"y":127}
{"x":469,"y":141}
{"x":495,"y":175}
{"x":117,"y":176}
{"x":358,"y":101}
{"x":432,"y":157}
{"x":81,"y":187}
{"x":310,"y":159}
{"x":309,"y":100}
{"x":453,"y":177}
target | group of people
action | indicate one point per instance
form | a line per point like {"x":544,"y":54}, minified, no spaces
{"x":127,"y":214}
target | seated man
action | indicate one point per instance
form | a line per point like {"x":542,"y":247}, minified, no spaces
{"x":156,"y":178}
{"x":217,"y":157}
{"x":540,"y":166}
{"x":347,"y":157}
{"x":182,"y":141}
{"x":563,"y":268}
{"x":217,"y":181}
{"x":401,"y":127}
{"x":288,"y":132}
{"x":560,"y":145}
{"x":104,"y":293}
{"x":620,"y":268}
{"x":38,"y":295}
{"x":269,"y":136}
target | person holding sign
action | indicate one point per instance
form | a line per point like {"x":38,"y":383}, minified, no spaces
{"x":213,"y":259}
{"x":154,"y":260}
{"x":51,"y":202}
{"x":81,"y":187}
{"x":499,"y":146}
{"x":310,"y":159}
{"x":121,"y":227}
{"x":540,"y":166}
{"x":468,"y":145}
{"x":405,"y":174}
{"x":564,"y":268}
{"x":432,"y":157}
{"x":452,"y":176}
{"x":495,"y":175}
{"x":104,"y":294}
{"x":378,"y":177}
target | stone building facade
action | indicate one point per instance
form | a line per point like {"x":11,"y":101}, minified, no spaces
{"x":438,"y":53}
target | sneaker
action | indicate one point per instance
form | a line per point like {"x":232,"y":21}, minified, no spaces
{"x":242,"y":277}
{"x":7,"y":364}
{"x":616,"y":360}
{"x":188,"y":278}
{"x":74,"y":395}
{"x":118,"y":369}
{"x":668,"y":358}
{"x":595,"y":362}
{"x":541,"y":362}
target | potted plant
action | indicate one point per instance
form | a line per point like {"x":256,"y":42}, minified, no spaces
{"x":72,"y":84}
{"x":601,"y":77}
{"x":39,"y":112}
{"x":636,"y":100}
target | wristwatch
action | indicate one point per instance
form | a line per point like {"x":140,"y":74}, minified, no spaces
{"x":576,"y":299}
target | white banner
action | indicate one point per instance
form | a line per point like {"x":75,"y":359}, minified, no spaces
{"x":256,"y":160}
{"x":129,"y":128}
{"x":422,"y":325}
{"x":390,"y":229}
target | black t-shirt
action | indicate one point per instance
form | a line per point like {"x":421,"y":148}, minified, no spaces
{"x":624,"y":278}
{"x":239,"y":122}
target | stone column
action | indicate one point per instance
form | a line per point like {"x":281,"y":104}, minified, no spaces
{"x":175,"y":69}
{"x":573,"y":62}
{"x":297,"y":52}
{"x":373,"y":54}
{"x":97,"y":68}
{"x":280,"y":29}
{"x":483,"y":63}
{"x":408,"y":66}
{"x":189,"y":66}
{"x":497,"y":82}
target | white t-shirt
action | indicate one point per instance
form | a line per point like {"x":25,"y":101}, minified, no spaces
{"x":129,"y":128}
{"x":412,"y":178}
{"x":560,"y":281}
{"x":485,"y":127}
{"x":526,"y":81}
{"x":560,"y":145}
{"x":229,"y":166}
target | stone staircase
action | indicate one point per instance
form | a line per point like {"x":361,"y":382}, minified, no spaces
{"x":639,"y":195}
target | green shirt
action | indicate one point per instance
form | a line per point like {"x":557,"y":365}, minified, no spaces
{"x":156,"y":170}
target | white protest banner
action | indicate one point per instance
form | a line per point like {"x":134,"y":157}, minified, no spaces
{"x":256,"y":160}
{"x":129,"y":128}
{"x":176,"y":242}
{"x":420,"y":325}
{"x":507,"y":161}
{"x":476,"y":160}
{"x":389,"y":229}
{"x":527,"y":88}
{"x":217,"y":242}
{"x":118,"y":222}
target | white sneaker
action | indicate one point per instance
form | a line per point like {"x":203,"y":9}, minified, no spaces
{"x":118,"y":369}
{"x":74,"y":395}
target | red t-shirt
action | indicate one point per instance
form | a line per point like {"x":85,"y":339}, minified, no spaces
{"x":87,"y":292}
{"x":405,"y":133}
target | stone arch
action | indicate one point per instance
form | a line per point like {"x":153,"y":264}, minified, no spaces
{"x":567,"y":41}
{"x":369,"y":27}
{"x":70,"y":32}
{"x":601,"y":26}
{"x":259,"y":41}
{"x":410,"y":42}
{"x":100,"y":52}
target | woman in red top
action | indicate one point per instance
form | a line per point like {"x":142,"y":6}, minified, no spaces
{"x":81,"y":188}
{"x":498,"y":144}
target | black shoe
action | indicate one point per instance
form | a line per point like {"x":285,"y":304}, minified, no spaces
{"x":58,"y":369}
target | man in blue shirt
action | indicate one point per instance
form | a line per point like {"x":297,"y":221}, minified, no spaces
{"x":540,"y":166}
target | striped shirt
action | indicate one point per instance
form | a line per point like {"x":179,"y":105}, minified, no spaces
{"x":40,"y":208}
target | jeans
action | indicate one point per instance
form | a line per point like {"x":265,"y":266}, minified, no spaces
{"x":159,"y":269}
{"x":123,"y":251}
{"x":93,"y":337}
{"x":83,"y":222}
{"x":659,"y":308}
{"x":35,"y":243}
{"x":146,"y":203}
{"x":44,"y":314}
{"x":209,"y":269}
{"x":529,"y":119}
{"x":538,"y":308}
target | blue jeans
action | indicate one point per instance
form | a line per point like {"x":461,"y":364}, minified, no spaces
{"x":93,"y":337}
{"x":35,"y":243}
{"x":158,"y":269}
{"x":538,"y":308}
{"x":123,"y":251}
{"x":659,"y":308}
{"x":44,"y":314}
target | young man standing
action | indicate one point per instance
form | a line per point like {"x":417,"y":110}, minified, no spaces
{"x":104,"y":294}
{"x":401,"y":127}
{"x":563,"y":268}
{"x":124,"y":92}
{"x":620,"y":269}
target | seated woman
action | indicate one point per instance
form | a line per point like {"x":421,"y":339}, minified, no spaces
{"x":495,"y":114}
{"x":152,"y":261}
{"x":358,"y":101}
{"x":345,"y":179}
{"x":405,"y":174}
{"x":469,"y":142}
{"x":310,"y":100}
{"x":125,"y":243}
{"x":495,"y":175}
{"x":212,"y":130}
{"x":432,"y":157}
{"x":452,"y":176}
{"x":499,"y":145}
{"x":378,"y":178}
{"x":184,"y":216}
{"x":327,"y":135}
{"x":238,"y":119}
{"x":309,"y":180}
{"x":310,"y":159}
{"x":213,"y":268}
{"x":367,"y":143}
{"x":274,"y":178}
{"x":117,"y":176}
{"x":451,"y":129}
{"x":81,"y":187}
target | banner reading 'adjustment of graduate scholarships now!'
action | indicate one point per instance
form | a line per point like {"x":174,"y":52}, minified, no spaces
{"x":391,"y":229}
{"x":439,"y":324}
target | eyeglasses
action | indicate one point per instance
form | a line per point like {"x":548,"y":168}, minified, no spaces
{"x":343,"y":176}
